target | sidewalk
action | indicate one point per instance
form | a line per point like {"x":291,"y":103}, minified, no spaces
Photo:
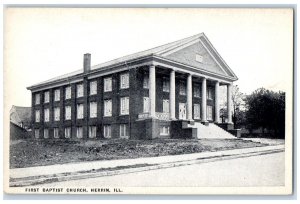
{"x":20,"y":173}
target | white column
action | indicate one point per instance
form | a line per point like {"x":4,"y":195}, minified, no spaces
{"x":229,"y":103}
{"x":203,"y":97}
{"x":172,"y":95}
{"x":217,"y":109}
{"x":152,"y":90}
{"x":189,"y":98}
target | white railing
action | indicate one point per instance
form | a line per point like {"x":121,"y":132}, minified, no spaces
{"x":162,"y":116}
{"x":158,"y":115}
{"x":143,"y":116}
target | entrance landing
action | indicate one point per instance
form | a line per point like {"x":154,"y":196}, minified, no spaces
{"x":211,"y":131}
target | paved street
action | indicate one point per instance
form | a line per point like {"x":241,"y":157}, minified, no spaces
{"x":262,"y":170}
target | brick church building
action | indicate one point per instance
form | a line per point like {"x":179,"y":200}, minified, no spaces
{"x":170,"y":91}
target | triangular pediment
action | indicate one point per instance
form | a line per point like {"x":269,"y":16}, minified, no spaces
{"x":199,"y":53}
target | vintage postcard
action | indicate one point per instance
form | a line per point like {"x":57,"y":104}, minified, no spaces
{"x":185,"y":101}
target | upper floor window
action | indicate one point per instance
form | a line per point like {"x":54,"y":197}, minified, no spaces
{"x":197,"y":91}
{"x":68,"y":113}
{"x":68,"y":92}
{"x":93,"y":109}
{"x":146,"y":82}
{"x":79,"y":111}
{"x":124,"y":109}
{"x":166,"y":85}
{"x":199,"y":58}
{"x":146,"y":105}
{"x":93,"y":87}
{"x":79,"y":89}
{"x":37,"y":99}
{"x":56,"y":114}
{"x":209,"y":113}
{"x":182,"y":88}
{"x":209,"y":93}
{"x":37,"y":116}
{"x":108,"y":107}
{"x":46,"y":114}
{"x":196,"y":111}
{"x":107,"y":84}
{"x":56,"y":95}
{"x":46,"y":97}
{"x":166,"y":106}
{"x":124,"y":81}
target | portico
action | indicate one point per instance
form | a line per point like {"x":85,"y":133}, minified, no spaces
{"x":189,"y":78}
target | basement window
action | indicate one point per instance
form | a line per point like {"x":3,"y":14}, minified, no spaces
{"x":164,"y":130}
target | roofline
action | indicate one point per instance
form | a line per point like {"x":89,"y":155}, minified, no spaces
{"x":90,"y":72}
{"x":220,"y":57}
{"x":153,"y":56}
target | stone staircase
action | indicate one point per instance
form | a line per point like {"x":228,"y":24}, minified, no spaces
{"x":211,"y":131}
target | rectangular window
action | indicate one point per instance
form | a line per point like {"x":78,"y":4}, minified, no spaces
{"x":37,"y":99}
{"x":196,"y":111}
{"x":93,"y":87}
{"x":146,"y":82}
{"x":79,"y":132}
{"x":79,"y":90}
{"x":46,"y":97}
{"x":107,"y":107}
{"x":182,"y":88}
{"x":37,"y":116}
{"x":107,"y":131}
{"x":209,"y":93}
{"x":107,"y":84}
{"x":166,"y":85}
{"x":124,"y":81}
{"x":197,"y":91}
{"x":124,"y":133}
{"x":57,"y":95}
{"x":166,"y":106}
{"x":146,"y":105}
{"x":93,"y":109}
{"x":46,"y":133}
{"x":68,"y":132}
{"x":92,"y":131}
{"x":46,"y":114}
{"x":37,"y":133}
{"x":68,"y":113}
{"x":68,"y":92}
{"x":79,"y":111}
{"x":56,"y":133}
{"x":199,"y":58}
{"x":164,"y":130}
{"x":209,"y":113}
{"x":124,"y":109}
{"x":56,"y":114}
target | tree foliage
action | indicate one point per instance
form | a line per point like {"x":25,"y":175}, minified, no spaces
{"x":266,"y":109}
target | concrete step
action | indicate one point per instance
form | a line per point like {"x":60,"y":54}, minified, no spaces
{"x":211,"y":131}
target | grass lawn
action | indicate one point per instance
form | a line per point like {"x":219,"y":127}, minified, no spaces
{"x":27,"y":153}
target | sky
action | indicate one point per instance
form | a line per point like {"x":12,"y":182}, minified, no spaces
{"x":42,"y":43}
